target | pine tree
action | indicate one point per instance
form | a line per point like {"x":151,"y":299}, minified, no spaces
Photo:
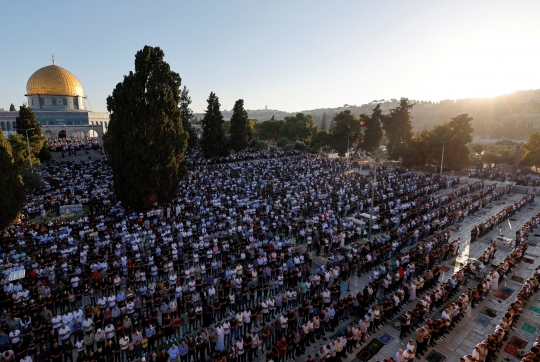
{"x":145,"y":141}
{"x":187,"y":115}
{"x":372,"y":129}
{"x":239,"y":133}
{"x":11,"y":186}
{"x":323,"y":126}
{"x":213,"y":141}
{"x":26,"y":120}
{"x":398,"y":128}
{"x":12,"y":108}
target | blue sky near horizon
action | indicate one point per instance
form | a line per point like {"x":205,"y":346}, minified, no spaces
{"x":287,"y":55}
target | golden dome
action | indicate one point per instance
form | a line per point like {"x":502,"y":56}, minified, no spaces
{"x":54,"y":80}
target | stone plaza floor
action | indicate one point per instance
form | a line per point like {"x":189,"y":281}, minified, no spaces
{"x":475,"y":326}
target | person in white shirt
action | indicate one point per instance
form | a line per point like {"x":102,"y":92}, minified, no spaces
{"x":247,"y":320}
{"x":64,"y":332}
{"x":109,"y":331}
{"x":15,"y":336}
{"x":111,"y":300}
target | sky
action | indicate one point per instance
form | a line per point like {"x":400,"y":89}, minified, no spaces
{"x":286,"y":55}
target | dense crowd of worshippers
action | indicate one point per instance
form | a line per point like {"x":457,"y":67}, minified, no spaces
{"x":73,"y":145}
{"x":220,"y":265}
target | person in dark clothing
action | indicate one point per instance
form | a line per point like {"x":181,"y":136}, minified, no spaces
{"x":67,"y":350}
{"x":56,"y":352}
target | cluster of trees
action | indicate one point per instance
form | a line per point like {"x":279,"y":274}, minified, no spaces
{"x":15,"y":168}
{"x":531,"y":151}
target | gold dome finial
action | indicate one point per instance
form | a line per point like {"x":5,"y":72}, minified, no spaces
{"x":52,"y":59}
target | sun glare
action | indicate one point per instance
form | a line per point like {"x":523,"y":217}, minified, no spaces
{"x":484,"y":66}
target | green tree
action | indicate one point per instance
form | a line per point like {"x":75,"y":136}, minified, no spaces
{"x":27,"y":120}
{"x":300,"y":127}
{"x":398,"y":128}
{"x":372,"y":129}
{"x":320,"y":141}
{"x":531,"y":151}
{"x":269,"y":130}
{"x":347,"y":131}
{"x":239,"y":130}
{"x":12,"y":108}
{"x":324,"y":125}
{"x":213,"y":140}
{"x":187,"y":116}
{"x":145,"y":141}
{"x":38,"y":150}
{"x":455,"y":135}
{"x":226,"y":127}
{"x":11,"y":187}
{"x":250,"y":130}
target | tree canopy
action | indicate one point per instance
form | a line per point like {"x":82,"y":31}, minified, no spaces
{"x":372,"y":129}
{"x":145,"y":141}
{"x":346,"y":131}
{"x":269,"y":130}
{"x":187,"y":115}
{"x":11,"y":187}
{"x":531,"y":151}
{"x":27,"y":120}
{"x":300,"y":127}
{"x":398,"y":129}
{"x":213,"y":141}
{"x":38,"y":150}
{"x":239,"y":130}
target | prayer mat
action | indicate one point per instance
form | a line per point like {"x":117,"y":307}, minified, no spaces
{"x":385,"y":338}
{"x":504,"y":293}
{"x":489,"y":312}
{"x":528,"y":261}
{"x":369,"y":351}
{"x":517,"y":279}
{"x":483,"y":320}
{"x":535,"y":309}
{"x":528,"y":328}
{"x":435,"y":356}
{"x":445,"y":269}
{"x":396,"y":323}
{"x":515,"y":346}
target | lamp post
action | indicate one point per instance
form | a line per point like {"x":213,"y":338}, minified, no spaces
{"x":376,"y":155}
{"x":442,"y":158}
{"x":28,"y":143}
{"x":373,"y":184}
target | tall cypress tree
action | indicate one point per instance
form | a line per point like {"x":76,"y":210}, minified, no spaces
{"x":239,"y":133}
{"x":399,"y":131}
{"x":213,"y":141}
{"x":145,"y":141}
{"x":26,"y":120}
{"x":11,"y":186}
{"x":187,"y":115}
{"x":372,"y":129}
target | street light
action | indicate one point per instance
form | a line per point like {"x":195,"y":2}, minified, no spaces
{"x":442,"y":158}
{"x":28,"y":143}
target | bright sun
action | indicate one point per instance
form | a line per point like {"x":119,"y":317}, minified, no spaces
{"x":484,"y":66}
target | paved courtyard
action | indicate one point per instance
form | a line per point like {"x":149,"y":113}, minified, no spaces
{"x":475,"y":326}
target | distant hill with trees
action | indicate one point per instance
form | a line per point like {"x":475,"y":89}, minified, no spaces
{"x":513,"y":116}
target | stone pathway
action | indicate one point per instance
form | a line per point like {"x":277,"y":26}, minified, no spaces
{"x":468,"y":332}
